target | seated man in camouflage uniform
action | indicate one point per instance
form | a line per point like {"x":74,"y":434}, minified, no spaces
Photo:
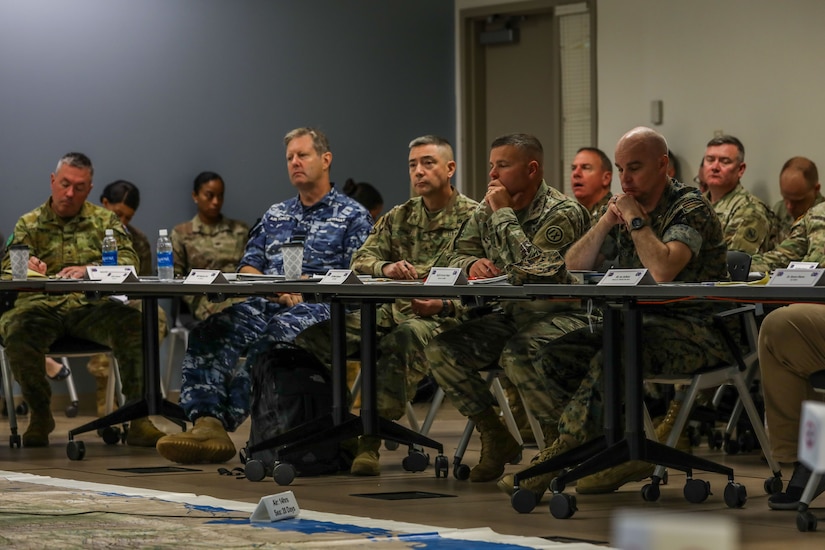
{"x":748,"y":224}
{"x":64,"y":236}
{"x":521,"y":229}
{"x":666,"y":227}
{"x":799,"y":187}
{"x":590,"y":177}
{"x":404,"y":244}
{"x":216,"y":390}
{"x":805,"y":243}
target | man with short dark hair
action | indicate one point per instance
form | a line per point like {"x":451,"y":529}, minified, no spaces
{"x":749,"y":225}
{"x":215,"y":391}
{"x":590,"y":177}
{"x":64,"y":236}
{"x":799,"y":186}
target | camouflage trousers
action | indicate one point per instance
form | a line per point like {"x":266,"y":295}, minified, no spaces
{"x":572,"y":365}
{"x":28,"y":331}
{"x":214,"y":382}
{"x":457,"y":356}
{"x":98,"y":365}
{"x":401,"y":362}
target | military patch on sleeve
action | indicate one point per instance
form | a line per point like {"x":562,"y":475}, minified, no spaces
{"x":751,"y":235}
{"x":554,"y":234}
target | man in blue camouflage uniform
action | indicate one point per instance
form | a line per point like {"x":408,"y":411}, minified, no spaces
{"x":405,"y":244}
{"x":215,"y":391}
{"x":668,"y":228}
{"x":65,"y":235}
{"x":521,"y":229}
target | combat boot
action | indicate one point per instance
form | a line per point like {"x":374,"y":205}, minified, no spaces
{"x":366,"y":459}
{"x":612,"y":479}
{"x":142,"y":433}
{"x":539,"y":484}
{"x":207,"y":442}
{"x":41,"y":424}
{"x":498,"y":447}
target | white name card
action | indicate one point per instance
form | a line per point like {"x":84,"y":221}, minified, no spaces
{"x":797,"y":277}
{"x":276,"y":507}
{"x":627,"y":277}
{"x":204,"y":277}
{"x":803,"y":265}
{"x":111,"y":273}
{"x":340,"y":277}
{"x":446,"y":276}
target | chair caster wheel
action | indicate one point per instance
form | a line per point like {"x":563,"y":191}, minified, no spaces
{"x":556,"y":485}
{"x":15,"y":441}
{"x":416,"y":461}
{"x":110,"y":435}
{"x":523,"y":501}
{"x":731,"y":446}
{"x":442,"y":467}
{"x":254,"y":470}
{"x":284,"y":473}
{"x":696,"y":490}
{"x":461,"y":472}
{"x":563,"y":506}
{"x":76,"y":450}
{"x":651,"y":492}
{"x":773,"y":485}
{"x":71,"y":409}
{"x":735,"y":495}
{"x":390,"y":445}
{"x":22,"y":408}
{"x":806,"y":521}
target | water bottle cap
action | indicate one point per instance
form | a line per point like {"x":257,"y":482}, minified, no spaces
{"x":110,"y":232}
{"x":162,"y":233}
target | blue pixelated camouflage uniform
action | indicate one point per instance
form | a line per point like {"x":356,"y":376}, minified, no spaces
{"x":214,"y":383}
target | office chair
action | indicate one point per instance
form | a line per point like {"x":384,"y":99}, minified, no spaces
{"x":805,"y":520}
{"x":740,"y":374}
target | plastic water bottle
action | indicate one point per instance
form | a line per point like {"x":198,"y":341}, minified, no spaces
{"x":109,"y":248}
{"x":166,"y":267}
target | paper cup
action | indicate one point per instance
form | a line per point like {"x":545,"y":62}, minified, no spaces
{"x":293,"y":260}
{"x":19,"y":256}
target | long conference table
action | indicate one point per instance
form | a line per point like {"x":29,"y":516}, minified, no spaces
{"x":622,"y":319}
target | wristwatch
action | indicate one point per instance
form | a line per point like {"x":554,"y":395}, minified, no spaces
{"x":637,"y":223}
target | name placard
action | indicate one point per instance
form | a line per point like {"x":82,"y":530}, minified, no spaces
{"x":627,"y":277}
{"x":276,"y":507}
{"x":204,"y":277}
{"x":112,"y":273}
{"x":446,"y":276}
{"x":803,"y":265}
{"x":340,"y":277}
{"x":797,"y":277}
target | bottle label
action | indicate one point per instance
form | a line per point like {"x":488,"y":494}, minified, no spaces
{"x":110,"y":257}
{"x":165,"y":259}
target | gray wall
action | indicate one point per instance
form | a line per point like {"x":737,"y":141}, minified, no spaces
{"x":155,"y":91}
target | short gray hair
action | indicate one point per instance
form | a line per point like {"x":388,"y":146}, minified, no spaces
{"x":438,"y":141}
{"x":526,"y":143}
{"x":76,"y":160}
{"x":319,"y":140}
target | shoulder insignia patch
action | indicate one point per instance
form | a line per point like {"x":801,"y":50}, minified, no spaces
{"x":554,"y":234}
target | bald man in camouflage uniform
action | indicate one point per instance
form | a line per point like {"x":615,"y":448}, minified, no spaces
{"x":215,"y":391}
{"x":64,"y":236}
{"x":196,"y":244}
{"x":668,"y":228}
{"x":805,"y":243}
{"x":404,"y":244}
{"x":521,"y":229}
{"x":800,"y":190}
{"x":749,"y":225}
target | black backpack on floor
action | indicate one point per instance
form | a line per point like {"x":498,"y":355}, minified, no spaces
{"x":290,"y":387}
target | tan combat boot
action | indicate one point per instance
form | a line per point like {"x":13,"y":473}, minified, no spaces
{"x":207,"y":442}
{"x":142,"y":433}
{"x":366,"y":458}
{"x":498,"y":447}
{"x":539,"y":484}
{"x":612,"y":479}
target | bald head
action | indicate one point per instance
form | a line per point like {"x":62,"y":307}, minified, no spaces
{"x":641,"y":160}
{"x":646,"y":137}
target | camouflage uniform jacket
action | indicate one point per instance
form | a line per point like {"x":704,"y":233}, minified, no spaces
{"x":599,"y":208}
{"x":409,"y":232}
{"x":748,"y":223}
{"x":527,"y":245}
{"x":806,"y":242}
{"x":333,"y":229}
{"x":143,"y":250}
{"x":196,"y":245}
{"x":63,"y":243}
{"x":785,"y":219}
{"x":682,"y":215}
